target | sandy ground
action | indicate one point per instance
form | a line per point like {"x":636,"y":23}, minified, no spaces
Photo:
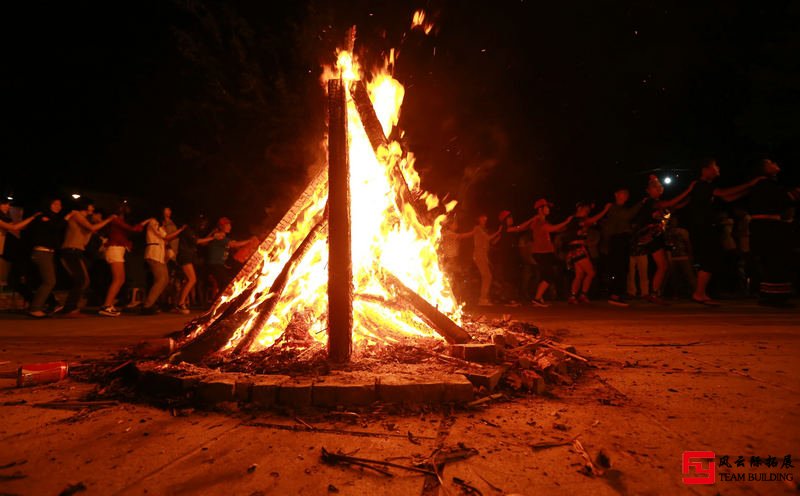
{"x":667,"y":380}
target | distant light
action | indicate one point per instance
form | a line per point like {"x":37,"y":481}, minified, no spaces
{"x":10,"y":198}
{"x":667,"y":180}
{"x":75,"y":196}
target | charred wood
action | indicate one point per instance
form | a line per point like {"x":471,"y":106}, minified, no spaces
{"x":224,"y":311}
{"x":374,"y":130}
{"x":217,"y":336}
{"x":340,"y":263}
{"x":278,"y":286}
{"x":440,"y":322}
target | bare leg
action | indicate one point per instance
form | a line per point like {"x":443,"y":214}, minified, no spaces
{"x":117,"y":280}
{"x":541,"y":288}
{"x":632,"y":276}
{"x":644,"y":281}
{"x":486,"y":279}
{"x":191,"y":279}
{"x":703,"y":279}
{"x":578,"y":279}
{"x":660,"y":258}
{"x":588,"y":269}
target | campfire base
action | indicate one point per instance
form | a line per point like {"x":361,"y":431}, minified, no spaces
{"x":507,"y":355}
{"x":339,"y":389}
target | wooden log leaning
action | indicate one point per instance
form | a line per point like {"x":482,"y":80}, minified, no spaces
{"x":253,"y":264}
{"x":441,"y":323}
{"x":210,"y":342}
{"x":266,"y":308}
{"x":374,"y":130}
{"x":225,"y":312}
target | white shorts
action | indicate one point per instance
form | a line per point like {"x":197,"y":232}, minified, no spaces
{"x":115,"y":254}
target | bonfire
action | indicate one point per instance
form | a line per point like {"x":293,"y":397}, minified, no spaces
{"x":354,"y":263}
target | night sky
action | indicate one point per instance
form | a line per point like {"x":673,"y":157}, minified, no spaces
{"x":216,"y":106}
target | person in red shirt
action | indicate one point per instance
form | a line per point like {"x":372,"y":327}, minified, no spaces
{"x":542,"y":248}
{"x":117,"y":245}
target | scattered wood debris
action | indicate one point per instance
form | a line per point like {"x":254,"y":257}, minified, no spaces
{"x":376,"y":465}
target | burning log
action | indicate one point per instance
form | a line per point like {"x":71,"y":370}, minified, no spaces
{"x":340,"y":263}
{"x":374,"y":131}
{"x":253,"y":263}
{"x":218,"y":336}
{"x":368,"y":117}
{"x":278,"y":286}
{"x":438,"y":321}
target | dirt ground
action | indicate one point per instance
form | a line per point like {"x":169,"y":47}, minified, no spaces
{"x":666,"y":380}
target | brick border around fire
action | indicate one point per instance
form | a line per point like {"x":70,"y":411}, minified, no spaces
{"x":281,"y":391}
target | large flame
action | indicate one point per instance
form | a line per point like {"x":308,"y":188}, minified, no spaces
{"x":386,"y":236}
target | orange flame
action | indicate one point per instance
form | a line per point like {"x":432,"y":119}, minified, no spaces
{"x":418,"y":21}
{"x":386,"y":236}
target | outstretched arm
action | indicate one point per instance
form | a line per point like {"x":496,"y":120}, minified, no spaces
{"x":174,"y":234}
{"x":558,"y":227}
{"x":522,"y":226}
{"x":465,"y":235}
{"x":736,"y":192}
{"x":593,"y":220}
{"x":205,"y":241}
{"x":81,"y":220}
{"x":678,"y":199}
{"x":238,"y":244}
{"x":11,"y":226}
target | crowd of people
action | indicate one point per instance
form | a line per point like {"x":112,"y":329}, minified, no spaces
{"x":702,"y":237}
{"x":96,"y":256}
{"x":627,"y":249}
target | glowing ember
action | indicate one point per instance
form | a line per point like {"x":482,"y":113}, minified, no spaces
{"x":387,"y":235}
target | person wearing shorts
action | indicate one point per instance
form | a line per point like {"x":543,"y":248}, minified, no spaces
{"x":186,"y":258}
{"x":544,"y":253}
{"x":117,"y":245}
{"x":578,"y":259}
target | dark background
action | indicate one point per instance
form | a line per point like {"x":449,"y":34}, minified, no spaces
{"x":216,"y":107}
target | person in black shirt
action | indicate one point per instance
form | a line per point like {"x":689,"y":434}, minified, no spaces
{"x":187,"y":257}
{"x":699,"y":199}
{"x":45,"y":236}
{"x":648,"y":238}
{"x":506,"y":255}
{"x":771,"y":234}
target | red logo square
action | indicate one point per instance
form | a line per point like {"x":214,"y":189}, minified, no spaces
{"x":704,"y":473}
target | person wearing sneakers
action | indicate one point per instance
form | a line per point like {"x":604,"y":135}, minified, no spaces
{"x":577,"y":253}
{"x":155,"y":253}
{"x":186,"y":258}
{"x":117,"y":245}
{"x":73,"y":253}
{"x":480,"y":255}
{"x":543,"y":250}
{"x":617,"y":241}
{"x":45,"y":234}
{"x":648,"y":239}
